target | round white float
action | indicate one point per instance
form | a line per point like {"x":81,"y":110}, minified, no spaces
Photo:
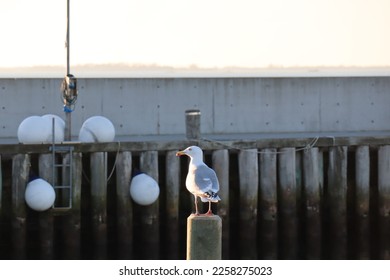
{"x":144,"y":190}
{"x":34,"y":130}
{"x":39,"y":195}
{"x":97,"y":129}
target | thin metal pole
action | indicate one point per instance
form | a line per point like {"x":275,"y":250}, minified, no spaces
{"x":68,"y":119}
{"x":67,"y":37}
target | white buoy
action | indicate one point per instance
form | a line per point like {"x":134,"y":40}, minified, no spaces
{"x":144,"y":190}
{"x":39,"y":129}
{"x":39,"y":195}
{"x":97,"y":129}
{"x":33,"y":130}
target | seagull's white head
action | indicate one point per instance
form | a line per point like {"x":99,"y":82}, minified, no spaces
{"x":194,"y":152}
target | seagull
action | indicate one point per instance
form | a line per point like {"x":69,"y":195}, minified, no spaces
{"x":201,"y":180}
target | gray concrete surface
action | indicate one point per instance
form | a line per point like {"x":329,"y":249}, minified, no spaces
{"x":140,"y":107}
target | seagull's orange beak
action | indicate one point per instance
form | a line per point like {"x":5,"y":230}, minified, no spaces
{"x":180,"y":153}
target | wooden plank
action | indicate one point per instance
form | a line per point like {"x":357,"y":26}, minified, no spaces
{"x":72,"y":221}
{"x":149,"y":216}
{"x":268,"y":205}
{"x":384,"y":201}
{"x":220,"y":164}
{"x":172,"y":169}
{"x":312,"y":203}
{"x":46,"y":218}
{"x":20,"y":177}
{"x":287,"y":204}
{"x":162,"y":144}
{"x":337,"y":202}
{"x":362,"y":217}
{"x":124,"y":205}
{"x":99,"y":203}
{"x":249,"y":185}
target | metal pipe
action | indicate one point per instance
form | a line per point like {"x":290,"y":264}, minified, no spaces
{"x":67,"y":37}
{"x":68,"y":121}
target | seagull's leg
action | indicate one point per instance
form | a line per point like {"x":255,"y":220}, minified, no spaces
{"x":209,"y":212}
{"x":196,"y":206}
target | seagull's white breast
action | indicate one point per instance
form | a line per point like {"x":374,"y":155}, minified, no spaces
{"x":190,"y":180}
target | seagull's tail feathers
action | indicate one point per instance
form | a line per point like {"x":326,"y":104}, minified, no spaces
{"x":210,"y":196}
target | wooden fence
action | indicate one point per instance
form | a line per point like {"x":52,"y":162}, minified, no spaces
{"x":281,"y":199}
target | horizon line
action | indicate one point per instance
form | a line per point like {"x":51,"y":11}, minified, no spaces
{"x":124,"y":70}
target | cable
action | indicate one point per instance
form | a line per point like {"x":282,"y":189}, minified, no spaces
{"x":116,"y":159}
{"x":113,"y":168}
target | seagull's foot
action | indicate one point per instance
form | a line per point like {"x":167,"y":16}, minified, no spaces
{"x":209,"y":213}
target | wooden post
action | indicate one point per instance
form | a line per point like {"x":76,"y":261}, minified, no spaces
{"x":362,"y":202}
{"x":299,"y":202}
{"x":149,"y":216}
{"x":249,"y":185}
{"x":312,"y":201}
{"x":72,"y":221}
{"x":124,"y":205}
{"x":268,"y":206}
{"x":20,"y":177}
{"x":337,"y":202}
{"x":1,"y":206}
{"x":172,"y":170}
{"x":204,"y":237}
{"x":193,"y":124}
{"x":384,"y":201}
{"x":99,"y":203}
{"x":46,"y":219}
{"x":287,"y":208}
{"x":220,"y":163}
{"x":1,"y":189}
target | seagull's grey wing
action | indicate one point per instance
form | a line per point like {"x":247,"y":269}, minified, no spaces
{"x":206,"y":179}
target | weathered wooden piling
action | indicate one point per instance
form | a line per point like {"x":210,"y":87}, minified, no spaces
{"x":204,"y":237}
{"x":72,"y":218}
{"x":312,"y":204}
{"x":46,"y":218}
{"x":124,"y":205}
{"x":20,"y":177}
{"x":220,"y":164}
{"x":99,"y":203}
{"x":337,"y":202}
{"x":287,"y":206}
{"x":249,"y":186}
{"x":149,"y":215}
{"x":268,"y":205}
{"x":362,"y":211}
{"x":1,"y":188}
{"x":172,"y":169}
{"x":384,"y":201}
{"x":347,"y":218}
{"x":192,"y":124}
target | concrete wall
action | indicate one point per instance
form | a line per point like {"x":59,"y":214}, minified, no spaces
{"x":153,"y":106}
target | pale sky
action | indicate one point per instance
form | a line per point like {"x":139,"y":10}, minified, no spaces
{"x":206,"y":33}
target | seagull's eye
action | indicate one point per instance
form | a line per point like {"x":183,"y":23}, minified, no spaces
{"x":190,"y":149}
